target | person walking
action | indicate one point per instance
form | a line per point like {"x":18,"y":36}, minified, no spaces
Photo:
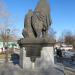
{"x":59,"y":55}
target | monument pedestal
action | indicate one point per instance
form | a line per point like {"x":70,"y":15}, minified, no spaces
{"x":47,"y":58}
{"x":40,"y":49}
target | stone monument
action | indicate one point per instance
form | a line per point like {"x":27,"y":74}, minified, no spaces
{"x":35,"y":33}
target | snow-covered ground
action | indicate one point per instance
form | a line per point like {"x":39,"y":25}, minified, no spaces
{"x":67,"y":59}
{"x":68,"y":54}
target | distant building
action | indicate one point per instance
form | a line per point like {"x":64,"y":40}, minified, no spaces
{"x":66,"y":47}
{"x":10,"y":45}
{"x":63,"y":46}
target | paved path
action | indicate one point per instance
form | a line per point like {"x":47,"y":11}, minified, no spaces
{"x":10,"y":69}
{"x":66,"y":62}
{"x":69,"y":71}
{"x":69,"y":67}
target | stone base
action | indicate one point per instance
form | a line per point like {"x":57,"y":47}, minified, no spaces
{"x":36,"y":41}
{"x":33,"y":48}
{"x":24,"y":61}
{"x":47,"y":58}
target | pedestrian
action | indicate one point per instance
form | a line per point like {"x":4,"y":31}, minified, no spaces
{"x":59,"y":55}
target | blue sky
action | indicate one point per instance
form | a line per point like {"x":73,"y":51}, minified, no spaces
{"x":62,"y":13}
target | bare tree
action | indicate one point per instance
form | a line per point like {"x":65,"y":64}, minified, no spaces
{"x":74,"y":41}
{"x":69,"y":38}
{"x":6,"y":24}
{"x":6,"y":30}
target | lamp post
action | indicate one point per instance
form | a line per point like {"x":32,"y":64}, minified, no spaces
{"x":6,"y":47}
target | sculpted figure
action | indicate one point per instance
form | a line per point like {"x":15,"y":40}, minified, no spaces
{"x":27,"y":31}
{"x":37,"y":22}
